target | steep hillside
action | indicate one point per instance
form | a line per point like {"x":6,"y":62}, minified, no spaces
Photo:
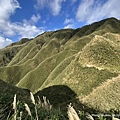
{"x":81,"y":60}
{"x":7,"y":93}
{"x":106,"y":96}
{"x":8,"y":53}
{"x":102,"y":52}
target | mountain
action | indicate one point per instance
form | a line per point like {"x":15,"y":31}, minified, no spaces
{"x":82,"y":64}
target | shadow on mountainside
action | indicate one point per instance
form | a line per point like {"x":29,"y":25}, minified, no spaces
{"x":61,"y":96}
{"x":7,"y":92}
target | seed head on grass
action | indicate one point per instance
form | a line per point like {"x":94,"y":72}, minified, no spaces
{"x":89,"y":117}
{"x":39,"y":101}
{"x":32,"y":98}
{"x":46,"y":104}
{"x":72,"y":113}
{"x":33,"y":101}
{"x":28,"y":109}
{"x":45,"y":101}
{"x":14,"y":102}
{"x":15,"y":107}
{"x":113,"y":118}
{"x":21,"y":113}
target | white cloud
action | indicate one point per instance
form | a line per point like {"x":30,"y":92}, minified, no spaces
{"x":68,"y":21}
{"x":54,"y":5}
{"x":4,"y":42}
{"x":93,"y":10}
{"x":7,"y":8}
{"x":69,"y":26}
{"x":40,"y":4}
{"x":25,"y":28}
{"x":33,"y":20}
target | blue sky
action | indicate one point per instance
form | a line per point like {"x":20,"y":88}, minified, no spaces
{"x":28,"y":18}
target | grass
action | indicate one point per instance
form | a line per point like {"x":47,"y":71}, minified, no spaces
{"x":8,"y":53}
{"x":102,"y":53}
{"x":106,"y":96}
{"x":60,"y":67}
{"x":40,"y":108}
{"x":7,"y":92}
{"x":44,"y":111}
{"x":35,"y":111}
{"x":79,"y":77}
{"x":47,"y":67}
{"x":82,"y":59}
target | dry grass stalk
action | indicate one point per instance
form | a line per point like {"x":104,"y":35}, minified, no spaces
{"x":15,"y":107}
{"x":21,"y":115}
{"x":36,"y":112}
{"x":28,"y":109}
{"x":72,"y":113}
{"x":89,"y":117}
{"x":113,"y":118}
{"x":14,"y":102}
{"x":8,"y":115}
{"x":33,"y":101}
{"x":39,"y":101}
{"x":45,"y":101}
{"x":49,"y":105}
{"x":32,"y":98}
{"x":46,"y":104}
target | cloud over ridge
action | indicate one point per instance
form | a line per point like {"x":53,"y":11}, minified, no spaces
{"x":94,"y":10}
{"x":25,"y":28}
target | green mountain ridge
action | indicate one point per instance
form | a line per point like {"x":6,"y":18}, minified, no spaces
{"x":83,"y":59}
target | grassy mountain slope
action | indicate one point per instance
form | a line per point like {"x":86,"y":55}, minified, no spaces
{"x":46,"y":68}
{"x":8,"y":53}
{"x":106,"y":96}
{"x":83,"y":60}
{"x":102,"y":52}
{"x":81,"y":79}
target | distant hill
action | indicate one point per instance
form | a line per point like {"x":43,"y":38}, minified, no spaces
{"x":7,"y":53}
{"x":84,"y":61}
